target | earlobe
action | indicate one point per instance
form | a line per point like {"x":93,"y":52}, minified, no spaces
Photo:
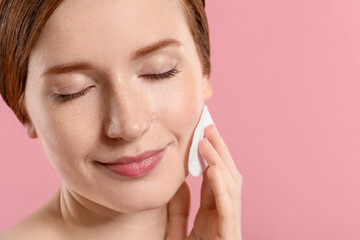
{"x":29,"y":126}
{"x":207,"y":88}
{"x":30,"y":130}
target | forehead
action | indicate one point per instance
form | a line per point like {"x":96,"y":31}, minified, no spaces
{"x":105,"y":29}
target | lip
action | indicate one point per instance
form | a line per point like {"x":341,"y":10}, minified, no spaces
{"x":136,"y":166}
{"x":141,"y":157}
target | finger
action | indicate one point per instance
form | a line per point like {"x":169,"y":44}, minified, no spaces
{"x":233,"y":188}
{"x":207,"y":197}
{"x":212,"y":157}
{"x":178,"y":213}
{"x":224,"y":190}
{"x":212,"y":134}
{"x":224,"y":203}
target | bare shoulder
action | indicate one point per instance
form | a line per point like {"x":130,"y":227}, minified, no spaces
{"x":31,"y":227}
{"x":41,"y":224}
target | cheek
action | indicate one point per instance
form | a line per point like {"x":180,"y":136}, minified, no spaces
{"x":179,"y":114}
{"x":60,"y":133}
{"x":67,"y":140}
{"x":182,"y":107}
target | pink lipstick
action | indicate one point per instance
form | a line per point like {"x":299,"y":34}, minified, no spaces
{"x":136,"y":166}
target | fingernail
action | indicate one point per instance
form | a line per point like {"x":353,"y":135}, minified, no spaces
{"x":207,"y":140}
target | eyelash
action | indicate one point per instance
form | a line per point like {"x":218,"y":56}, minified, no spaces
{"x":61,"y":98}
{"x":168,"y":74}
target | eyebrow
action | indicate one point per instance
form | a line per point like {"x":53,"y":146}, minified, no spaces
{"x":79,"y":66}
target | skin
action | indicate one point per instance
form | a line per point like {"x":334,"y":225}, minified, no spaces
{"x":124,"y":114}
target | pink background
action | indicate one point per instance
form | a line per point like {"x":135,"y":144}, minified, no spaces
{"x":290,"y":70}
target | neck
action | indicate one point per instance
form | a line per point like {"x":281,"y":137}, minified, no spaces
{"x":84,"y":217}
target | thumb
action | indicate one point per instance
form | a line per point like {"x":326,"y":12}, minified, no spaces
{"x":178,"y":213}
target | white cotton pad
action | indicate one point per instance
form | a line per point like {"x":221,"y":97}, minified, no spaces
{"x":197,"y":164}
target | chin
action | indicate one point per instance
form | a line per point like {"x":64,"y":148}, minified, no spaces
{"x":143,"y":203}
{"x":147,"y":197}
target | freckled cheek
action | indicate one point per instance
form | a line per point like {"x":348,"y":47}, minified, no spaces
{"x":181,"y":108}
{"x":67,"y":137}
{"x":67,"y":148}
{"x":49,"y":128}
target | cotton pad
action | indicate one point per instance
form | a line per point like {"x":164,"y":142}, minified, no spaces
{"x":197,"y":164}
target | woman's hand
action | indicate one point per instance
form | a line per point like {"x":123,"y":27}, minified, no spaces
{"x":219,"y":215}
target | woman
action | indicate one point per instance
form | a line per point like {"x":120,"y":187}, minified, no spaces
{"x":97,"y":81}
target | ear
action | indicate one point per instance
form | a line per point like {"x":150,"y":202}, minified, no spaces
{"x":29,"y":126}
{"x":207,"y":88}
{"x":30,"y":130}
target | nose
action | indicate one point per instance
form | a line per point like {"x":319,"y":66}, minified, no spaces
{"x":128,"y":115}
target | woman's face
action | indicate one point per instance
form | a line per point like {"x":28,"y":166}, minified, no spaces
{"x":123,"y":113}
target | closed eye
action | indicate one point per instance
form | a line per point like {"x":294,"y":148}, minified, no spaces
{"x":62,"y":98}
{"x":173,"y":72}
